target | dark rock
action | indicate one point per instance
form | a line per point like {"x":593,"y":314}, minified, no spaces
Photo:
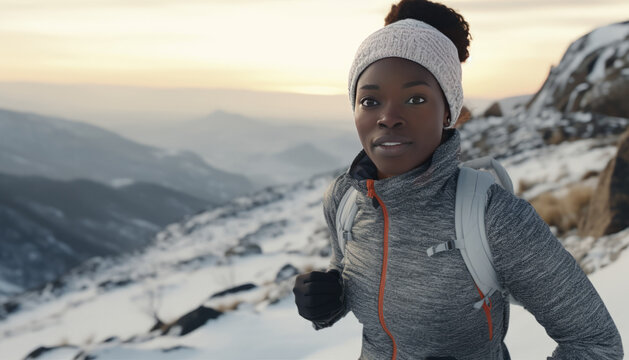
{"x":10,"y":307}
{"x":159,"y":325}
{"x":493,"y":110}
{"x":193,"y":320}
{"x":591,"y":77}
{"x":111,"y":339}
{"x":244,"y":250}
{"x":286,"y":272}
{"x":110,"y":284}
{"x":42,"y":350}
{"x":236,"y":289}
{"x":175,"y":348}
{"x":325,"y":251}
{"x":608,"y":211}
{"x":576,"y":126}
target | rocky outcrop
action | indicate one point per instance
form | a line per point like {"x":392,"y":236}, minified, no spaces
{"x":592,"y":76}
{"x":191,"y":321}
{"x":244,"y":250}
{"x":608,"y":212}
{"x":493,"y":110}
{"x":286,"y":272}
{"x":234,"y":290}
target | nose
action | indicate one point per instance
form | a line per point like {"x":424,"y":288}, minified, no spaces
{"x":390,"y":117}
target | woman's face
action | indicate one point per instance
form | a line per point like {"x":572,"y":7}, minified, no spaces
{"x":400,"y":113}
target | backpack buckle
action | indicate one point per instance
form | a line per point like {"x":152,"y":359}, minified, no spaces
{"x":444,"y":246}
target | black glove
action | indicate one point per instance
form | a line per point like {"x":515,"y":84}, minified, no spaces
{"x":319,"y":295}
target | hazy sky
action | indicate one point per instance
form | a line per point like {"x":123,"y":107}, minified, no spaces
{"x":295,"y":46}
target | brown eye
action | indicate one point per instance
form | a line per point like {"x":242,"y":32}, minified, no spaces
{"x":368,"y":102}
{"x":416,"y":100}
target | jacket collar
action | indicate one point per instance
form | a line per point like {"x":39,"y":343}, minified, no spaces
{"x":427,"y":177}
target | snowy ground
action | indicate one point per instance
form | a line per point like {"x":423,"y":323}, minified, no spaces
{"x":279,"y":333}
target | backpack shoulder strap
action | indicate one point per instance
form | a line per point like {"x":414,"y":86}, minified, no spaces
{"x":345,"y":214}
{"x":492,"y":164}
{"x":471,"y":239}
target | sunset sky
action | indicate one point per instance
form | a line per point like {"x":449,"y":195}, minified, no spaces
{"x":303,"y":46}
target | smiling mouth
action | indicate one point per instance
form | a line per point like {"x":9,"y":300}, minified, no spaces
{"x":390,"y":144}
{"x":391,"y":148}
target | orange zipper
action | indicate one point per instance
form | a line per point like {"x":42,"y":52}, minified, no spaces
{"x":371,"y":192}
{"x":487,"y":309}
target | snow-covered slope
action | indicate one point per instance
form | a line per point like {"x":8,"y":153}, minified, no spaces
{"x":48,"y":226}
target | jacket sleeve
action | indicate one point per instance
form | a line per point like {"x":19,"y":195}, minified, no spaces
{"x":330,"y":204}
{"x":536,"y":269}
{"x":331,"y":201}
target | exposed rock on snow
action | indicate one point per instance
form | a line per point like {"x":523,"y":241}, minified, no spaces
{"x":590,"y":76}
{"x":234,"y":290}
{"x":286,"y":272}
{"x":244,"y":250}
{"x":609,"y":208}
{"x":191,"y":321}
{"x":507,"y":106}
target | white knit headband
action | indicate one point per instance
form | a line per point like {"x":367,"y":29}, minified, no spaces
{"x":419,"y":42}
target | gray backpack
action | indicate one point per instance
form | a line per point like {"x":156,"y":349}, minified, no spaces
{"x":471,"y":239}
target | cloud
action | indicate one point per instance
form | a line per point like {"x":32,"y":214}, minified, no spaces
{"x":82,"y":4}
{"x":501,"y":5}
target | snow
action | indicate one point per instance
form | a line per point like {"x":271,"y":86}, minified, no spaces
{"x":8,"y":288}
{"x":279,"y":333}
{"x":597,"y":39}
{"x":575,"y":93}
{"x":122,"y":182}
{"x":606,"y":35}
{"x":553,"y":167}
{"x":598,"y":72}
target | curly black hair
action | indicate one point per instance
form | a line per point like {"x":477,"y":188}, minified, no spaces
{"x":443,"y":18}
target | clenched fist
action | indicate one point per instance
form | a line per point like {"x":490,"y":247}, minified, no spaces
{"x":319,"y":295}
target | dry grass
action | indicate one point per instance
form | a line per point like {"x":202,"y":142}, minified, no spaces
{"x":524,"y":185}
{"x":564,"y":212}
{"x":590,"y":174}
{"x":464,"y":117}
{"x":225,"y":307}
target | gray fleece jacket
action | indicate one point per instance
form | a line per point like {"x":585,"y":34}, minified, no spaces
{"x":422,"y":308}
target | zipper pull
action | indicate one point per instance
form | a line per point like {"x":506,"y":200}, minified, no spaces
{"x":371,"y":190}
{"x":371,"y":193}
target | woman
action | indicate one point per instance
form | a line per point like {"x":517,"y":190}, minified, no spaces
{"x":405,"y":89}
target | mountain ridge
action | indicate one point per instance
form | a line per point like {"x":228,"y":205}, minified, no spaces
{"x":49,"y":226}
{"x":32,"y":144}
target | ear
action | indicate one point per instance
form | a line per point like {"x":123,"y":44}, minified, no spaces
{"x":446,"y":119}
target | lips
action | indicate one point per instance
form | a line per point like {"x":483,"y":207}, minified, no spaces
{"x":391,"y":140}
{"x":391,"y":145}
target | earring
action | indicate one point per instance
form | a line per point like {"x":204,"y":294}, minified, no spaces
{"x":448,"y":121}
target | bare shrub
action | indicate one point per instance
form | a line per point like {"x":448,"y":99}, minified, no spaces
{"x":563,"y":212}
